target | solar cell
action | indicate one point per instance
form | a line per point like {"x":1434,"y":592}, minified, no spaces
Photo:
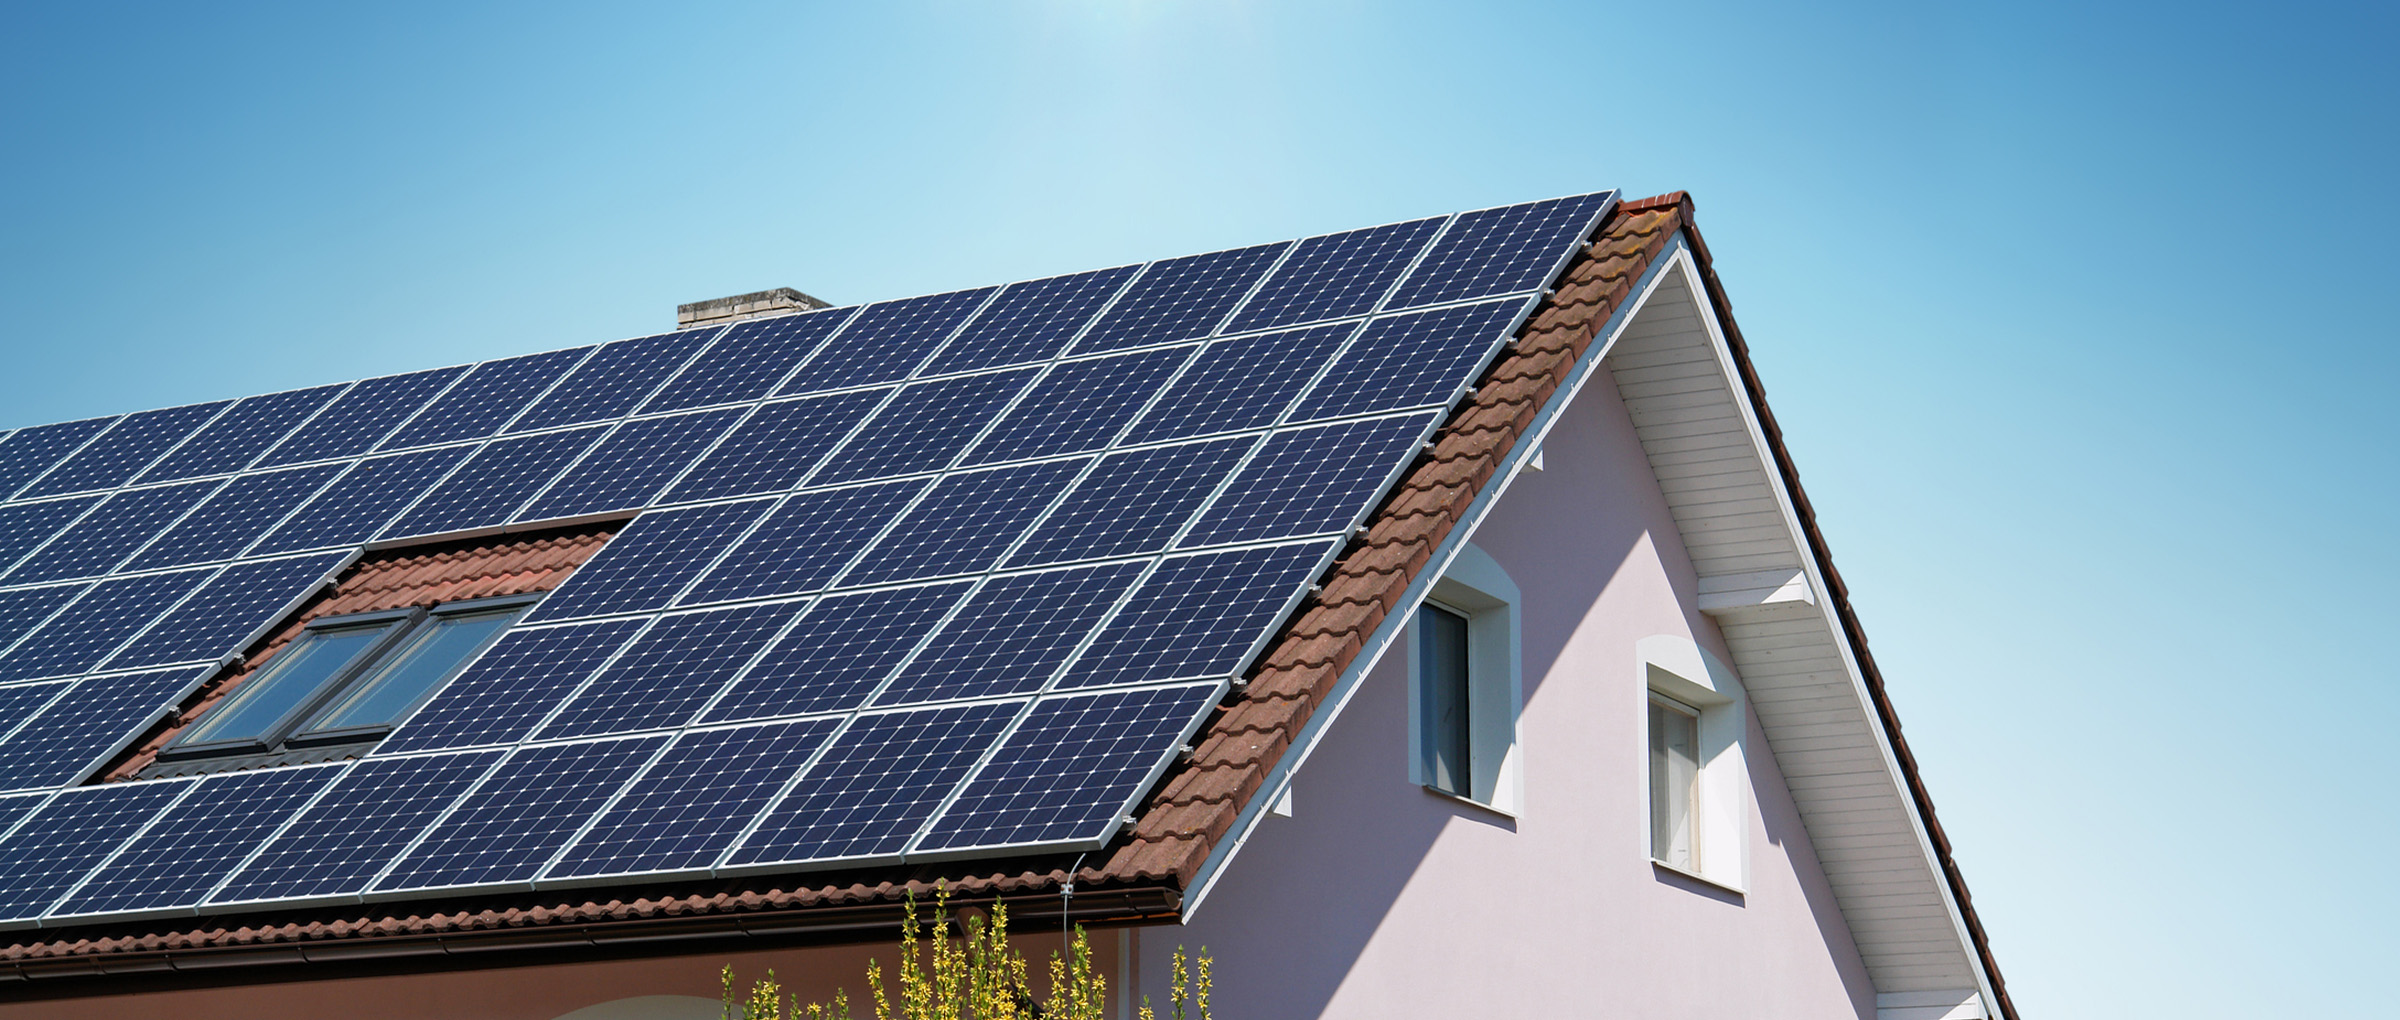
{"x":776,"y":446}
{"x":643,"y":566}
{"x":1011,"y":635}
{"x":233,"y":517}
{"x":1501,"y":251}
{"x":923,"y":428}
{"x":18,"y":702}
{"x":1133,"y":502}
{"x":1071,"y":770}
{"x":626,"y":469}
{"x":64,"y":838}
{"x":26,"y":525}
{"x":500,"y":697}
{"x":32,"y":450}
{"x":1333,"y":276}
{"x":1030,"y":321}
{"x":965,"y":523}
{"x":129,"y":445}
{"x":110,"y":533}
{"x":839,"y":651}
{"x":1181,"y":299}
{"x":493,"y":483}
{"x":1240,"y":383}
{"x":804,"y":543}
{"x":1078,"y":406}
{"x":667,"y":674}
{"x":230,"y":609}
{"x":1198,"y":616}
{"x":345,"y":839}
{"x":363,"y":414}
{"x":355,"y":507}
{"x":87,"y":724}
{"x":614,"y":380}
{"x":23,"y":609}
{"x":490,"y":394}
{"x":693,"y":803}
{"x":747,"y":362}
{"x":876,"y":785}
{"x":197,"y":841}
{"x":1313,"y":480}
{"x":1411,"y":360}
{"x":14,"y":809}
{"x":87,"y":630}
{"x":238,"y":436}
{"x":886,"y":342}
{"x":509,"y":827}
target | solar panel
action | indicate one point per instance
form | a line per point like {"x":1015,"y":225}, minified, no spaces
{"x":1199,"y":616}
{"x":490,"y":394}
{"x":804,"y":543}
{"x":923,"y":428}
{"x":110,"y":533}
{"x":1313,"y":480}
{"x":872,"y":790}
{"x":94,"y":625}
{"x":965,"y":523}
{"x":614,"y":380}
{"x":1132,"y":502}
{"x":1181,"y":299}
{"x":493,"y":483}
{"x":648,"y":562}
{"x":886,"y":341}
{"x":1501,"y":251}
{"x":238,"y":436}
{"x":26,"y":525}
{"x":229,"y":610}
{"x":1079,"y":406}
{"x":61,"y":841}
{"x":1412,"y":360}
{"x":689,"y":807}
{"x":23,"y":609}
{"x":87,"y":724}
{"x":503,"y":694}
{"x":1031,"y":321}
{"x":14,"y":809}
{"x":777,"y":446}
{"x":34,"y":449}
{"x":626,"y":470}
{"x":363,"y":414}
{"x":340,"y":843}
{"x":1071,"y":770}
{"x":129,"y":445}
{"x":838,"y":653}
{"x":1240,"y":383}
{"x":1335,"y":276}
{"x":198,"y":841}
{"x":354,"y":508}
{"x":233,"y":517}
{"x":664,"y":677}
{"x":525,"y":811}
{"x":1011,"y":636}
{"x":747,"y":362}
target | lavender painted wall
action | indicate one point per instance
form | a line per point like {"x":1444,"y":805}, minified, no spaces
{"x":1380,"y":899}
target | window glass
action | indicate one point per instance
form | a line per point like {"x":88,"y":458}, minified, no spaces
{"x":290,"y":682}
{"x":427,"y":658}
{"x":1674,"y":779}
{"x":1442,"y":686}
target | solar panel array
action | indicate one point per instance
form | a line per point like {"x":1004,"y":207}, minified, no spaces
{"x":932,"y":577}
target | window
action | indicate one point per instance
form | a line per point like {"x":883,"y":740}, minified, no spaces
{"x":1443,"y":694}
{"x":1674,"y":780}
{"x":1464,"y":680}
{"x":347,"y":679}
{"x":1695,"y":782}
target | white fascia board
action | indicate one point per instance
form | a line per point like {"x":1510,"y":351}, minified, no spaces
{"x":1526,"y":451}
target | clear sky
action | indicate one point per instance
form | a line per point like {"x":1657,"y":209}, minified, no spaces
{"x":2076,"y":318}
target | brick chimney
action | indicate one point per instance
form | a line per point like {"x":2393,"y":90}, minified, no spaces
{"x":756,"y":305}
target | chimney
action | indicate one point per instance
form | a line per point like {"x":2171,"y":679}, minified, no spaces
{"x":757,"y":305}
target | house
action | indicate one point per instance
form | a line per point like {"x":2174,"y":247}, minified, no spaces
{"x":1426,"y":619}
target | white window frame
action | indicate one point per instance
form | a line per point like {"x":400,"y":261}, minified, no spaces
{"x":1678,"y":669}
{"x":1477,"y":588}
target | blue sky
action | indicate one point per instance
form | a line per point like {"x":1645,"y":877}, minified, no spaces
{"x":2074,"y":317}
